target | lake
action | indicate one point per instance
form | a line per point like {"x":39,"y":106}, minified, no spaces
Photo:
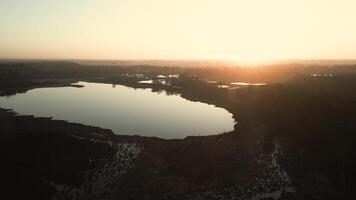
{"x":124,"y":110}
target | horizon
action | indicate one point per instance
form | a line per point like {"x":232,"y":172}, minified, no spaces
{"x":230,"y":31}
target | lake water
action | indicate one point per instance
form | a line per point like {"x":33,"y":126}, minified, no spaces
{"x":124,"y":110}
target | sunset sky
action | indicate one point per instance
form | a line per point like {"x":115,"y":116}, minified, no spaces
{"x":237,"y":30}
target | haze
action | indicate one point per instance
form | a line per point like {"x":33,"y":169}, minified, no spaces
{"x":246,"y":31}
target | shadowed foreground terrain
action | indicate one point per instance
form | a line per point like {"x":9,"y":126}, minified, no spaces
{"x":294,"y":140}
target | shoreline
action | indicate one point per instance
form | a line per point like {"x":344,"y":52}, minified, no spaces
{"x":69,"y":83}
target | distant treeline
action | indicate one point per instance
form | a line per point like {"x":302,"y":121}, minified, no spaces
{"x":21,"y":73}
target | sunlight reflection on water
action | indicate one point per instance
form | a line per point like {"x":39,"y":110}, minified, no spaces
{"x":124,"y":110}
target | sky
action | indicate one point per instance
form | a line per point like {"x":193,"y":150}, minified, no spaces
{"x":234,"y":30}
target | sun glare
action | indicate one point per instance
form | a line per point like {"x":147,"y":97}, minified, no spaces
{"x":244,"y":31}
